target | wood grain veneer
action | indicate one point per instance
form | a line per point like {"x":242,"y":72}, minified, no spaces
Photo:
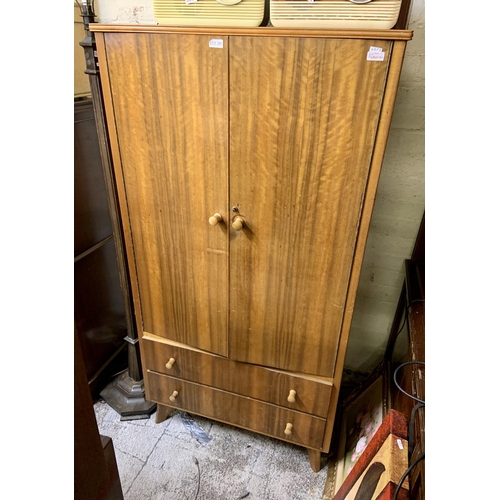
{"x":166,"y":135}
{"x":389,"y":99}
{"x":312,"y":396}
{"x":301,"y":139}
{"x":237,"y":410}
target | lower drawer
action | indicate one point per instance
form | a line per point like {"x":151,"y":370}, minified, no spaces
{"x":302,"y":429}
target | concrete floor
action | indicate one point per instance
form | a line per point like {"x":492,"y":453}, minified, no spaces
{"x":158,"y":461}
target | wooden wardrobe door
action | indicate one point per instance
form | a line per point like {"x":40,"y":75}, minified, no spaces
{"x":303,"y":119}
{"x":170,"y":103}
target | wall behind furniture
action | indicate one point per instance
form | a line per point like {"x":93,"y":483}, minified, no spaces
{"x":400,"y":202}
{"x":398,"y":209}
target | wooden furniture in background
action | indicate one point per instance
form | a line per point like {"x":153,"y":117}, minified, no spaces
{"x":407,"y":345}
{"x":95,"y":471}
{"x":98,"y":304}
{"x":277,"y":136}
{"x":125,"y":392}
{"x":404,"y":15}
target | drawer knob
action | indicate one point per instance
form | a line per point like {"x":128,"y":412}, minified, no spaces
{"x":170,"y":363}
{"x":173,"y":396}
{"x":291,"y":396}
{"x":288,"y":429}
{"x":238,"y":223}
{"x":215,"y":219}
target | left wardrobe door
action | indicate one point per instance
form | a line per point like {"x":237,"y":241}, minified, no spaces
{"x":170,"y":103}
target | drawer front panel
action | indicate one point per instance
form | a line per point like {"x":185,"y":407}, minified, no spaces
{"x":257,"y":416}
{"x":271,"y":386}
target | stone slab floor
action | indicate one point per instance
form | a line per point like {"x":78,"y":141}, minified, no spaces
{"x":191,"y":458}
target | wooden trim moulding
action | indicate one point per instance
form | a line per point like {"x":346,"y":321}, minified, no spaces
{"x":404,"y":35}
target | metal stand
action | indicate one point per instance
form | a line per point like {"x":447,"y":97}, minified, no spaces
{"x":126,"y":397}
{"x":125,"y":394}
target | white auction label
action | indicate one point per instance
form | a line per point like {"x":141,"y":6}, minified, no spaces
{"x":216,"y":43}
{"x":375,"y":56}
{"x":400,"y":444}
{"x":191,"y":1}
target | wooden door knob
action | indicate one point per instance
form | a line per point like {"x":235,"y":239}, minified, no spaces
{"x":173,"y":396}
{"x":215,"y":219}
{"x":291,"y":397}
{"x":238,"y":223}
{"x":288,"y":429}
{"x":170,"y":363}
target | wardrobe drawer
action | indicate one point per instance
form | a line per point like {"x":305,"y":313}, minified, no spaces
{"x":271,"y":386}
{"x":305,"y":430}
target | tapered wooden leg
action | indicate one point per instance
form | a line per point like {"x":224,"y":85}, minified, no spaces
{"x":163,"y":412}
{"x":315,"y":459}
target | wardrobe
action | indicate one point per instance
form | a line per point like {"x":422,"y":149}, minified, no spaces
{"x":247,"y":163}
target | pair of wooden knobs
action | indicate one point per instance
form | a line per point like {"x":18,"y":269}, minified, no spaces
{"x":290,"y":399}
{"x":169,"y":365}
{"x":237,"y":224}
{"x":291,"y":396}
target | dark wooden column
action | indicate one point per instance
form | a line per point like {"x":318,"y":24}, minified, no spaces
{"x":96,"y":475}
{"x":125,"y":394}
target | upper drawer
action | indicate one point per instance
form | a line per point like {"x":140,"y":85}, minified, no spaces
{"x":272,"y":386}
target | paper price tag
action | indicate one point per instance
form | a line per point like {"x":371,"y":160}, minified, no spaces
{"x":375,"y":54}
{"x":400,"y":444}
{"x":190,"y":1}
{"x":216,"y":43}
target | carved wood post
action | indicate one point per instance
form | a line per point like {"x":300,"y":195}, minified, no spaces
{"x":125,"y":394}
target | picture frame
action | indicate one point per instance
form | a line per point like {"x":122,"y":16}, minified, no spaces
{"x":380,"y":470}
{"x":360,"y":416}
